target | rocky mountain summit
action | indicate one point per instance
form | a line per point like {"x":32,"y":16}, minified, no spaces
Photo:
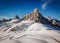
{"x":36,"y":16}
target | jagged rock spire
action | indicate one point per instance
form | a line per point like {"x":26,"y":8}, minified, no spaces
{"x":36,"y":16}
{"x":36,"y":10}
{"x":16,"y":17}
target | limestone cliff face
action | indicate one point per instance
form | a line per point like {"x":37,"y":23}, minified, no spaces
{"x":36,"y":16}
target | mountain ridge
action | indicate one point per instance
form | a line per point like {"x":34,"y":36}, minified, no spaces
{"x":35,"y":16}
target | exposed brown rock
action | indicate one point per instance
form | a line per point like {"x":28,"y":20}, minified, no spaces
{"x":56,"y":23}
{"x":36,"y":16}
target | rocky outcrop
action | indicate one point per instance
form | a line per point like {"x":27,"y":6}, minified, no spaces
{"x":56,"y":23}
{"x":49,"y":18}
{"x":36,"y":16}
{"x":16,"y":17}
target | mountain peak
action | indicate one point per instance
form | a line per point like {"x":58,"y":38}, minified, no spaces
{"x":36,"y":10}
{"x":36,"y":16}
{"x":16,"y":17}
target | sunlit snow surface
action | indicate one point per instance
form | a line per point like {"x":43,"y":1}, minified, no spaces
{"x":28,"y":32}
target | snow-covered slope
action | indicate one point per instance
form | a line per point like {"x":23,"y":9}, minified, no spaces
{"x":14,"y":20}
{"x":20,"y":26}
{"x":29,"y":32}
{"x":37,"y":27}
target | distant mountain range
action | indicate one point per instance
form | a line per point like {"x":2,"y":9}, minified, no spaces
{"x":37,"y":17}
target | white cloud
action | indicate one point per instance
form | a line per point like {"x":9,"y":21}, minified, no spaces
{"x":44,"y":6}
{"x":5,"y":17}
{"x":46,"y":2}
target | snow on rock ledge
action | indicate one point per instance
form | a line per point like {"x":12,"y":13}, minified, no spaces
{"x":37,"y":27}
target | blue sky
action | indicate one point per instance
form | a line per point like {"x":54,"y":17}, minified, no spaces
{"x":10,"y":8}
